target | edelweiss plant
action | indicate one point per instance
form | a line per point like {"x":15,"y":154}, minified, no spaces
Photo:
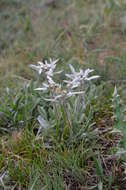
{"x":61,"y":93}
{"x":76,"y":78}
{"x":45,"y":67}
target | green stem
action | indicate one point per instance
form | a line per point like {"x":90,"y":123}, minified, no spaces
{"x":68,"y":119}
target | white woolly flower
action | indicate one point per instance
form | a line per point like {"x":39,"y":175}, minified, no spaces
{"x":50,"y":84}
{"x":46,"y":67}
{"x":74,"y":80}
{"x":77,"y":77}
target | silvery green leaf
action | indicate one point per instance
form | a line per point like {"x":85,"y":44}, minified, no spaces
{"x":115,"y":130}
{"x":120,"y":152}
{"x":43,"y":123}
{"x":55,"y":99}
{"x":7,"y":90}
{"x":75,"y":85}
{"x":50,"y":100}
{"x":125,"y":168}
{"x":42,"y":111}
{"x":81,"y":117}
{"x":76,"y":104}
{"x":59,"y":96}
{"x":41,"y":89}
{"x":67,"y":81}
{"x":123,"y":21}
{"x":58,"y":72}
{"x":72,"y":69}
{"x":115,"y":93}
{"x":93,"y":77}
{"x":45,"y":85}
{"x":100,"y":185}
{"x":69,"y":76}
{"x":69,"y":94}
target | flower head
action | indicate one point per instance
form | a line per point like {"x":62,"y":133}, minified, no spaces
{"x":46,"y":67}
{"x":49,"y":84}
{"x":75,"y":78}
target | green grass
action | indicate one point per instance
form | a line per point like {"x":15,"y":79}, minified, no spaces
{"x":85,"y":34}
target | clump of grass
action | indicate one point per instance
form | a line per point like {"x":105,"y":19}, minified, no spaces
{"x":18,"y":110}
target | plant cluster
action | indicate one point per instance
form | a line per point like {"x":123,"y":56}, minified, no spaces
{"x":67,"y":98}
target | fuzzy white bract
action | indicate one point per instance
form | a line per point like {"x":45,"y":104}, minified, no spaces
{"x":46,"y":67}
{"x":76,"y":78}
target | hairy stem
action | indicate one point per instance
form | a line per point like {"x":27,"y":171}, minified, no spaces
{"x":68,"y":119}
